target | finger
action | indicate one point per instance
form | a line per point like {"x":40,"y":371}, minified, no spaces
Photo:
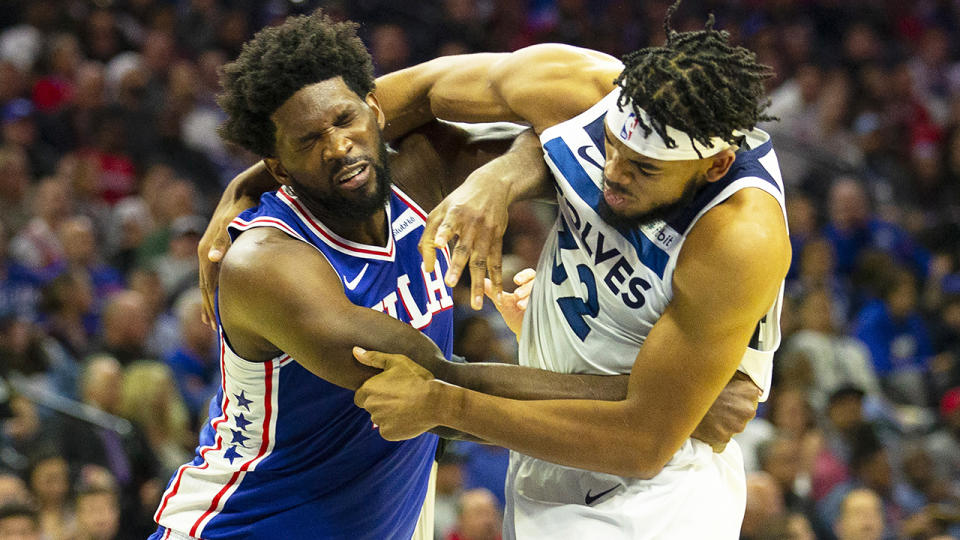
{"x":524,"y":276}
{"x":524,"y":290}
{"x":427,"y":244}
{"x":495,"y":266}
{"x":373,"y":359}
{"x":216,"y":253}
{"x":461,"y":256}
{"x":522,"y":303}
{"x":478,"y":269}
{"x":488,"y":290}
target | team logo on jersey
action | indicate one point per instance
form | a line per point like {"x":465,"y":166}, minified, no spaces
{"x":437,"y":298}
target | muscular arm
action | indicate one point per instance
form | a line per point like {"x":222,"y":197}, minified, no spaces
{"x":727,"y":277}
{"x":280,"y":294}
{"x":540,"y":85}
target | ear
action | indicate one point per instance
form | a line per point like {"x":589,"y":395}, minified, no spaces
{"x":720,"y":164}
{"x":374,"y":104}
{"x":277,"y":170}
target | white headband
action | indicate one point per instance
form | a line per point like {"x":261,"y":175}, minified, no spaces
{"x":625,"y":126}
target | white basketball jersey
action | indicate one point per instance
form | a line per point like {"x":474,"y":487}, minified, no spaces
{"x":599,"y":291}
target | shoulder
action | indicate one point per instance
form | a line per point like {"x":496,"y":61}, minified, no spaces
{"x":746,"y":233}
{"x":264,"y":262}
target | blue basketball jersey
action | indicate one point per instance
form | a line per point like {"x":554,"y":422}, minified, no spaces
{"x":286,"y":454}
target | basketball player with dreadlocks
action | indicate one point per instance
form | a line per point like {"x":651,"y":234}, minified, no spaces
{"x":670,"y":250}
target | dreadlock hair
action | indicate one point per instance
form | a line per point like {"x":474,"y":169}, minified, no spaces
{"x":698,"y":83}
{"x":277,"y":63}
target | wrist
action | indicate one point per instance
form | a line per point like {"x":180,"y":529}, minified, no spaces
{"x":447,"y":401}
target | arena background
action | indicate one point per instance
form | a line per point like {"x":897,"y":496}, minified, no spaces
{"x":110,"y":165}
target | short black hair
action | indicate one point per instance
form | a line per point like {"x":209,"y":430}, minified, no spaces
{"x":698,"y":83}
{"x":277,"y":63}
{"x":19,"y":509}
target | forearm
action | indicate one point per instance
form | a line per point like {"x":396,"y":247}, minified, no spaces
{"x":526,"y":155}
{"x":526,"y":383}
{"x":251,"y":183}
{"x":600,"y":436}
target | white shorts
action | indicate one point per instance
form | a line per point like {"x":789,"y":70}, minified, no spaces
{"x":699,"y":494}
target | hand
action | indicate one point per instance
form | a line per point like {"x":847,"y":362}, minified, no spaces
{"x":513,"y":305}
{"x":213,"y":246}
{"x":735,"y":406}
{"x":476,"y":214}
{"x":399,"y":400}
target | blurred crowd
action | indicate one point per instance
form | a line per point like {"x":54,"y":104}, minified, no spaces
{"x":110,"y":165}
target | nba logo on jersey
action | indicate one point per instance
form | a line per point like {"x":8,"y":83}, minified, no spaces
{"x":629,"y":125}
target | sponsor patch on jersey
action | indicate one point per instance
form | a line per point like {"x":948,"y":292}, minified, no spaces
{"x":661,"y":234}
{"x":405,"y":222}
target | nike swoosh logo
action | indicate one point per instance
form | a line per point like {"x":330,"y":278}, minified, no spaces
{"x":590,"y":499}
{"x":582,"y":152}
{"x":352,"y":284}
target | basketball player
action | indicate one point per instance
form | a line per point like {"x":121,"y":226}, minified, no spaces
{"x":285,"y":453}
{"x":666,"y":261}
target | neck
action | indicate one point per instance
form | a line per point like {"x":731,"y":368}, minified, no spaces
{"x":371,"y":230}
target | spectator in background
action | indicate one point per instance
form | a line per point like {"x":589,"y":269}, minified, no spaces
{"x":870,"y":468}
{"x":943,"y":444}
{"x":861,"y":516}
{"x":67,"y":300}
{"x":390,"y":48}
{"x":474,"y":339}
{"x":898,"y":339}
{"x":853,"y":228}
{"x":78,"y":236}
{"x":449,"y":489}
{"x":37,"y":246}
{"x":50,"y":483}
{"x":764,"y":510}
{"x":19,"y":521}
{"x":126,"y":325}
{"x":19,"y":285}
{"x":817,"y":270}
{"x":164,"y":333}
{"x":825,"y":359}
{"x":13,"y":490}
{"x":14,"y":187}
{"x":98,"y":512}
{"x":479,"y":517}
{"x":149,"y":399}
{"x":71,"y":127}
{"x":127,"y":456}
{"x":56,"y":89}
{"x":20,"y":129}
{"x":195,"y":365}
{"x":178,"y":267}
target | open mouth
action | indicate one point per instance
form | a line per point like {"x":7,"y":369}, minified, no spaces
{"x":354,"y":177}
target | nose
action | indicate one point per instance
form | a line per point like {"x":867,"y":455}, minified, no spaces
{"x":614,"y":169}
{"x":338,"y":147}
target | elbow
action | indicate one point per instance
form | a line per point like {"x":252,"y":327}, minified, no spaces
{"x":649,"y":461}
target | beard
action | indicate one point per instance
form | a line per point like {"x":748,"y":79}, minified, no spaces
{"x":662,"y":212}
{"x":335,"y":205}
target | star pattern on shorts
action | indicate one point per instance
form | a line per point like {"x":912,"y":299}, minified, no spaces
{"x":242,"y":422}
{"x":232,"y":454}
{"x":239,"y":438}
{"x":242,"y":400}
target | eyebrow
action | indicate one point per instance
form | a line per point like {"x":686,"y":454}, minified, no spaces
{"x":646,"y":166}
{"x":342,"y":114}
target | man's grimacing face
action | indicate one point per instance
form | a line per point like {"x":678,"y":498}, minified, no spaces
{"x":329,"y":145}
{"x":638,"y":189}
